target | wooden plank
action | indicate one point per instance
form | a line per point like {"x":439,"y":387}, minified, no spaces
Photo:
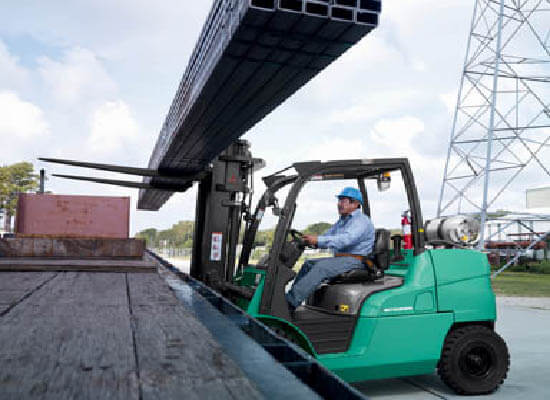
{"x":72,"y":339}
{"x":178,"y":357}
{"x":15,"y":286}
{"x":66,"y":247}
{"x":43,"y":264}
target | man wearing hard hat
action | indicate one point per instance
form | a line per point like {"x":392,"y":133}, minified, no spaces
{"x":351,"y":238}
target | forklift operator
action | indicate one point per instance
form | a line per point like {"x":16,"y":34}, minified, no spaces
{"x":351,"y":238}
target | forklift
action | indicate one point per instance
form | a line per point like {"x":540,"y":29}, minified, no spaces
{"x":410,"y":309}
{"x":407,"y":312}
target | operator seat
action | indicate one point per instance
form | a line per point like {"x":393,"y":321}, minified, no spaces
{"x":380,"y":258}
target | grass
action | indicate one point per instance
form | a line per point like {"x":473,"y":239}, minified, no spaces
{"x":522,"y":284}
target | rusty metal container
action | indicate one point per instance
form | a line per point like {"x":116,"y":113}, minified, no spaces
{"x":47,"y":215}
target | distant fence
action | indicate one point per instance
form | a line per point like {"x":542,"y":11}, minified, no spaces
{"x":171,"y":252}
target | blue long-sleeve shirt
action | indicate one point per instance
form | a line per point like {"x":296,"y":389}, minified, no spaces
{"x":352,"y":234}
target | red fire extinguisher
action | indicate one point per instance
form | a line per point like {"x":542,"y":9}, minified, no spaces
{"x":406,"y":230}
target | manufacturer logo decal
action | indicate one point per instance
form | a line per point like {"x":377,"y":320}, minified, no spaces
{"x":409,"y":308}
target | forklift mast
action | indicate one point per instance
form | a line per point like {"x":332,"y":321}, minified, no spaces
{"x":223,"y":201}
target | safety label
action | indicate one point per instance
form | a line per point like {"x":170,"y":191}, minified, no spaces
{"x":216,"y":246}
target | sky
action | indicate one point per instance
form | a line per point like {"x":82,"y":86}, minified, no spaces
{"x":93,"y":80}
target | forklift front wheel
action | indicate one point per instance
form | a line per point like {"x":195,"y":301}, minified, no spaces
{"x":474,"y":360}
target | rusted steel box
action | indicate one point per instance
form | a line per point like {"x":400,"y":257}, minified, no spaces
{"x":47,"y":215}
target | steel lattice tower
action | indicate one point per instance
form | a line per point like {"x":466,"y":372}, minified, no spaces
{"x":502,"y":119}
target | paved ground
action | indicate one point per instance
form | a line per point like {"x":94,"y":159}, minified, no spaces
{"x":525,"y":325}
{"x":183,"y":264}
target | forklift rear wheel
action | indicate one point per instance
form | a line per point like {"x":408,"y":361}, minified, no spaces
{"x":474,"y":360}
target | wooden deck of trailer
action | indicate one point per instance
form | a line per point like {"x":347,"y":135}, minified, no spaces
{"x":107,"y":335}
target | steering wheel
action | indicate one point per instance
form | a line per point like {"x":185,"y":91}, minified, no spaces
{"x":298,"y":237}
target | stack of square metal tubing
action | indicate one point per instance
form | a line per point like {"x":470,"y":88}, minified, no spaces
{"x":251,"y":56}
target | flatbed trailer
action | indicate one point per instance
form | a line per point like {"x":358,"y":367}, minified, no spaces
{"x":135,"y":335}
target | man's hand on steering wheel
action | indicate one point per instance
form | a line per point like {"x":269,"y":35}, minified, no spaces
{"x":310,"y":240}
{"x":304,"y":240}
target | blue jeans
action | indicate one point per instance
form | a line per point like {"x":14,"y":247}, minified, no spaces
{"x":313,"y":272}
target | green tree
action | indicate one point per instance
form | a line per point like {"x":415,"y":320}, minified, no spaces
{"x":317,"y":229}
{"x":183,"y":233}
{"x":14,"y":179}
{"x":150,"y":236}
{"x":264,"y":238}
{"x":179,"y":235}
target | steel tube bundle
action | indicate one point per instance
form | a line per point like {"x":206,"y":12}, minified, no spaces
{"x":251,"y":56}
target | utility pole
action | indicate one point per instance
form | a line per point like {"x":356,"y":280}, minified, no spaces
{"x":42,"y":180}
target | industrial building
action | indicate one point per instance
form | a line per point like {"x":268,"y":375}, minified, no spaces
{"x":512,"y":233}
{"x":538,"y":197}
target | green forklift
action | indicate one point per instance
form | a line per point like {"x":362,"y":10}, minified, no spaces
{"x":407,"y":312}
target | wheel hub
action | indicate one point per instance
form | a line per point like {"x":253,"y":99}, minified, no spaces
{"x":476,"y":361}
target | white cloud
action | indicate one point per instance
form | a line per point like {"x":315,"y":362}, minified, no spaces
{"x":449,"y":99}
{"x":112,"y":125}
{"x":401,"y":14}
{"x":374,"y":106}
{"x":19,"y":118}
{"x":335,"y":149}
{"x":12,"y":75}
{"x":345,"y":79}
{"x":397,"y":133}
{"x":79,"y":77}
{"x":419,"y":65}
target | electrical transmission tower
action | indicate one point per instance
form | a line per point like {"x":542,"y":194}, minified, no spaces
{"x":501,"y":124}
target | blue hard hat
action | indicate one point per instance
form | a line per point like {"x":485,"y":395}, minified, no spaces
{"x":352,"y":193}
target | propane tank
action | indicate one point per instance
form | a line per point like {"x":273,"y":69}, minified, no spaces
{"x":459,"y":229}
{"x":406,"y":230}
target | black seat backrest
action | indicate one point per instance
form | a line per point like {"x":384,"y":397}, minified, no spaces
{"x":380,"y":256}
{"x":381,"y":253}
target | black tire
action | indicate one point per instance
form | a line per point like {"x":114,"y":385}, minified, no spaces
{"x":474,"y":360}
